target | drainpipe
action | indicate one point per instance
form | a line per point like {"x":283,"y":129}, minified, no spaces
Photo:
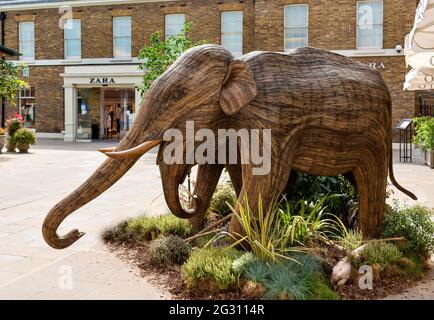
{"x":2,"y":19}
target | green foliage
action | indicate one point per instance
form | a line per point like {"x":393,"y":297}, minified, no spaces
{"x":424,"y":129}
{"x":298,"y":279}
{"x":223,"y":199}
{"x":168,"y":250}
{"x":212,"y":267}
{"x":147,"y":228}
{"x":161,"y":54}
{"x":23,"y":137}
{"x":351,"y":240}
{"x":240,"y":264}
{"x":10,"y":82}
{"x":314,"y":188}
{"x":383,"y":253}
{"x":272,"y":234}
{"x":414,"y":224}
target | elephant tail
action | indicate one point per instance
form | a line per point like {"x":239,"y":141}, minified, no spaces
{"x":392,"y":176}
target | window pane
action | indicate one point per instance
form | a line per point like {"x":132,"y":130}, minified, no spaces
{"x":296,"y":15}
{"x":122,"y":36}
{"x":370,"y":24}
{"x":73,"y":48}
{"x":296,"y":26}
{"x":122,"y":47}
{"x":27,"y":39}
{"x":75,"y":31}
{"x":232,"y":32}
{"x":174,"y":24}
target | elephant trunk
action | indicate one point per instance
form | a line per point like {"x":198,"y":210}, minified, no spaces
{"x":102,"y":179}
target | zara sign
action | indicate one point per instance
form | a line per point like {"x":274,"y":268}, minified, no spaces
{"x":103,"y":81}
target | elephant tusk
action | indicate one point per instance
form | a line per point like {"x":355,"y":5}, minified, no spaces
{"x":134,"y":152}
{"x":105,"y":150}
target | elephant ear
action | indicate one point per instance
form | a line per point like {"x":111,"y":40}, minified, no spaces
{"x":239,"y":87}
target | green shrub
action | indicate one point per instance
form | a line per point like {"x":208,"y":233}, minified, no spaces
{"x":223,"y":200}
{"x":14,"y":124}
{"x":143,"y":228}
{"x":414,"y":224}
{"x":424,"y":129}
{"x":242,"y":262}
{"x":169,"y":224}
{"x":168,"y":250}
{"x":351,"y":240}
{"x":312,"y":189}
{"x":210,"y":269}
{"x":382,"y":253}
{"x":272,"y":234}
{"x":298,"y":279}
{"x":23,"y":137}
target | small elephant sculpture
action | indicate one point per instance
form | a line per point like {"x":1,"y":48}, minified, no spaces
{"x":329,"y":115}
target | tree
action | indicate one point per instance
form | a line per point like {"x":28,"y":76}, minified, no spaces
{"x":161,"y":54}
{"x":10,"y":82}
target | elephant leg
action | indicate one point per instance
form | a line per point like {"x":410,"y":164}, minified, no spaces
{"x":371,"y":181}
{"x":236,"y":175}
{"x":208,"y":176}
{"x":265,"y":187}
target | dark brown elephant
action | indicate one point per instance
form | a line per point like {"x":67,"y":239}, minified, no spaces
{"x":329,"y":115}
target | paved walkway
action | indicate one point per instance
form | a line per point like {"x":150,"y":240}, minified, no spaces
{"x":31,"y":184}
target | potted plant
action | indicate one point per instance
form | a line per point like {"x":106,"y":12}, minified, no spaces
{"x":424,"y":137}
{"x":23,"y":139}
{"x":2,"y":139}
{"x":13,"y":125}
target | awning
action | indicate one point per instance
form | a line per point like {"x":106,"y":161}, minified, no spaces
{"x":422,"y":79}
{"x":419,"y":49}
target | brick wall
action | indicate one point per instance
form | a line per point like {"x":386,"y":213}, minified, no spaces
{"x":332,"y":26}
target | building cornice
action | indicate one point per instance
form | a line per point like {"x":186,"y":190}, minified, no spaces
{"x":78,"y":3}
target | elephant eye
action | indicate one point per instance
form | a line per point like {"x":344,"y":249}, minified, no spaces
{"x":177,"y":94}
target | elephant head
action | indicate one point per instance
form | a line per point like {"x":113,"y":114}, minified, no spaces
{"x":206,"y":85}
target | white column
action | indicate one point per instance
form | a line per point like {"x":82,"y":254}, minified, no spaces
{"x":70,"y":112}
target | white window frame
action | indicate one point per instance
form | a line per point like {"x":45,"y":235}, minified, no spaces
{"x":65,"y":41}
{"x":284,"y":24}
{"x":166,"y":35}
{"x":128,"y":56}
{"x":357,"y":24}
{"x":242,"y":29}
{"x":20,"y":41}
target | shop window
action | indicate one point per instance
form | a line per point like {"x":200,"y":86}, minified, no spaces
{"x":27,"y":106}
{"x":73,"y":39}
{"x":296,"y":26}
{"x":174,"y":24}
{"x":27,"y":40}
{"x":370,"y":24}
{"x":122,"y":37}
{"x":232,"y":32}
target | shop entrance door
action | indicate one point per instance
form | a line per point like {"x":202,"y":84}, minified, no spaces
{"x":117,"y":109}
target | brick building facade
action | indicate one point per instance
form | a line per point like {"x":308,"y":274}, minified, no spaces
{"x":58,"y":82}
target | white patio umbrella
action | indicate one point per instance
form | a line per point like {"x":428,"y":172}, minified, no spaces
{"x":419,"y":79}
{"x":419,"y":44}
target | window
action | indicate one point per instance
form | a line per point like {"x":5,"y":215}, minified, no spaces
{"x":27,"y":40}
{"x":232,"y":31}
{"x":73,"y":39}
{"x":369,"y":24}
{"x":296,"y":26}
{"x":27,"y":107}
{"x":122,"y":37}
{"x":174,"y":24}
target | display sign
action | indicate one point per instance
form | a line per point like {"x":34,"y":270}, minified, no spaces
{"x":404,"y":124}
{"x":103,"y":81}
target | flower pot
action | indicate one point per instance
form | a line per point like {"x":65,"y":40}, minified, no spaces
{"x":2,"y":142}
{"x":429,"y":158}
{"x":23,"y":147}
{"x":10,"y":146}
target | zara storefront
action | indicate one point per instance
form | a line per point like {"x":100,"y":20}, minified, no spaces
{"x":100,"y":101}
